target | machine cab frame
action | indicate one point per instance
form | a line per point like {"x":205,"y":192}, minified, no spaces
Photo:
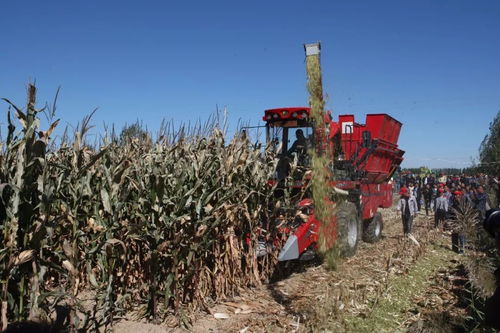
{"x":283,"y":123}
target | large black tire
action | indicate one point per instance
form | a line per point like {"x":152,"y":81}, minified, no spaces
{"x":372,"y":231}
{"x":349,"y":229}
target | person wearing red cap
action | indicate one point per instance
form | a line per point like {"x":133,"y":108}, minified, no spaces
{"x":441,"y":209}
{"x":455,"y":204}
{"x":407,"y":205}
{"x":403,"y":191}
{"x":457,"y":232}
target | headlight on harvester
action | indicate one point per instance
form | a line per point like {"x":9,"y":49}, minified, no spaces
{"x":294,"y":115}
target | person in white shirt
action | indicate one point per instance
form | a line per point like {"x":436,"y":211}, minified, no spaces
{"x":407,"y":205}
{"x":441,"y":209}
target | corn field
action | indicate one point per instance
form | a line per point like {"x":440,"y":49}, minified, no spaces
{"x":154,"y":227}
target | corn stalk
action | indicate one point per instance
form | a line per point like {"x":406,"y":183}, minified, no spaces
{"x":99,"y":231}
{"x":22,"y":176}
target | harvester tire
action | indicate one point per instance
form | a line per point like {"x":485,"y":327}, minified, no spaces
{"x":349,"y":229}
{"x":373,"y":229}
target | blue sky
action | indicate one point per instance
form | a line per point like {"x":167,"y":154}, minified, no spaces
{"x":433,"y":65}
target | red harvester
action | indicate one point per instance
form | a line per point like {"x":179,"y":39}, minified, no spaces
{"x":364,"y":158}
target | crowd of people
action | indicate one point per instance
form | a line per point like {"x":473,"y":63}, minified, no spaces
{"x":438,"y":194}
{"x":443,"y":195}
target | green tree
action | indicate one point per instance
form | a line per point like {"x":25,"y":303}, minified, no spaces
{"x":489,"y":151}
{"x":134,"y":131}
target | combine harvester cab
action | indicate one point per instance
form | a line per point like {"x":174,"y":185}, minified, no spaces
{"x":365,"y":158}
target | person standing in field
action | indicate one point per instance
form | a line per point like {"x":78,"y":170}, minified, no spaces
{"x":469,"y":195}
{"x":407,"y":205}
{"x":481,"y":201}
{"x":427,"y":193}
{"x":441,"y":209}
{"x":418,"y":195}
{"x":434,"y":197}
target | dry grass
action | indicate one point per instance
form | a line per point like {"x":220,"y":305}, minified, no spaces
{"x":480,"y":255}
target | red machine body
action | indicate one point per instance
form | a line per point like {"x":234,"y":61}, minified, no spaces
{"x":370,"y":151}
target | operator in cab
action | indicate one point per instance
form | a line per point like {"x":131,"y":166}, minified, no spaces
{"x":300,"y":144}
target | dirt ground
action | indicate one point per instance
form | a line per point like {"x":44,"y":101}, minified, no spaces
{"x":396,"y":284}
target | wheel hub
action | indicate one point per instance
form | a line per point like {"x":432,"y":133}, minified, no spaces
{"x":377,"y":229}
